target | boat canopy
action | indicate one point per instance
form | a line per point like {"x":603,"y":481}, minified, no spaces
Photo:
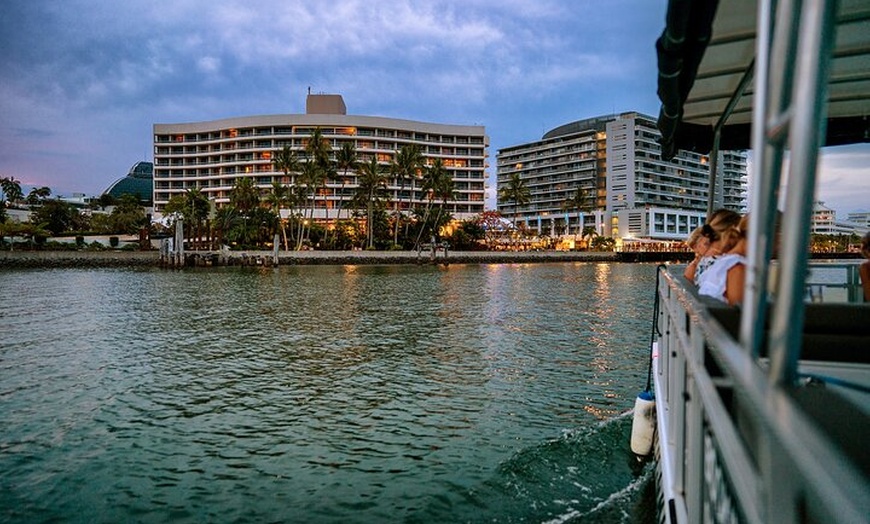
{"x":706,"y":58}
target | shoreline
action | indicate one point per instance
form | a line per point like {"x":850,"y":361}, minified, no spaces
{"x":97,"y":259}
{"x":117,"y":258}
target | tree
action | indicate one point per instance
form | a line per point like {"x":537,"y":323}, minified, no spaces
{"x":56,"y":216}
{"x":468,"y":235}
{"x":128,"y":215}
{"x":278,"y":198}
{"x":244,"y":196}
{"x":582,"y":201}
{"x":25,"y":230}
{"x":346,"y":160}
{"x":370,"y":190}
{"x":590,"y":233}
{"x":317,"y":169}
{"x":311,"y":177}
{"x":317,"y":148}
{"x":11,"y":190}
{"x":406,"y":164}
{"x":600,"y":243}
{"x":516,"y":192}
{"x":243,"y":224}
{"x":37,"y":195}
{"x":437,"y":185}
{"x":286,"y":161}
{"x":192,"y":205}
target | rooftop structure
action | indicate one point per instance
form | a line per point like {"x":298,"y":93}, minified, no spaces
{"x":138,"y":182}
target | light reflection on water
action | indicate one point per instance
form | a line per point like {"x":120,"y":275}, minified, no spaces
{"x":355,"y":393}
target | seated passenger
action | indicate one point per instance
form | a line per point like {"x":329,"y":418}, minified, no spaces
{"x":724,"y":278}
{"x":713,"y":242}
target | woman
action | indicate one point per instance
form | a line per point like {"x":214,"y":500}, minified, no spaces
{"x":724,"y":278}
{"x":712,"y":242}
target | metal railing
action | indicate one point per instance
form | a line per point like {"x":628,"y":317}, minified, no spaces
{"x":732,"y":445}
{"x":845,"y":287}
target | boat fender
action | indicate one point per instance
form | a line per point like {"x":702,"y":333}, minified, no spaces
{"x":643,"y":425}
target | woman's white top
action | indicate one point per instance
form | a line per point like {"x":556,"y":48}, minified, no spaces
{"x":713,"y":280}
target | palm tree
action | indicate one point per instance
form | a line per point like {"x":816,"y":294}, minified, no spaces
{"x":199,"y":207}
{"x":245,"y":199}
{"x":580,"y":201}
{"x":278,"y":198}
{"x":437,"y":183}
{"x":244,"y":195}
{"x":345,"y":159}
{"x":286,"y":161}
{"x":444,"y":188}
{"x":371,"y":188}
{"x":311,"y":177}
{"x":37,"y":195}
{"x":11,"y":189}
{"x":406,"y":163}
{"x":516,"y":192}
{"x":590,"y":233}
{"x":317,"y":150}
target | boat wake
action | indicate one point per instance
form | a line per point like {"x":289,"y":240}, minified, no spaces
{"x":586,"y":475}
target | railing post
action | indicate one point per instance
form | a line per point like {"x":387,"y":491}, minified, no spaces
{"x":694,"y":463}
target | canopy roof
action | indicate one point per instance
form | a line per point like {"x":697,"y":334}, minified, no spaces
{"x":706,"y":51}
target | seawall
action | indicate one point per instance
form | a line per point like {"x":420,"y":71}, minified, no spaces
{"x":87,"y":259}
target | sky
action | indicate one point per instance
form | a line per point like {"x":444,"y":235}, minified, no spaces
{"x":83,"y":81}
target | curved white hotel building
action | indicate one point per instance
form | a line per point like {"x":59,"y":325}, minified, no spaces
{"x":212,"y":155}
{"x":631,"y":193}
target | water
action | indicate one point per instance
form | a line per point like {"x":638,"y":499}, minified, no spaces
{"x":474,"y":393}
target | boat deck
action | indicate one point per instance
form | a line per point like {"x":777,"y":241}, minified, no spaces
{"x":763,"y":452}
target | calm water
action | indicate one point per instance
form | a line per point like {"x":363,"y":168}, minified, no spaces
{"x":491,"y":393}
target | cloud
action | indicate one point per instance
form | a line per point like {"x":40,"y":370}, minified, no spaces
{"x":76,"y":108}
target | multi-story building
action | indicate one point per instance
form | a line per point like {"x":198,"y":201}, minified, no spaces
{"x":824,"y":222}
{"x":631,"y":192}
{"x":861,"y":219}
{"x":212,"y":155}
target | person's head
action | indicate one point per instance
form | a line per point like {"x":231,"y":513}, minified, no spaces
{"x":697,"y":242}
{"x":865,"y":246}
{"x":722,"y":229}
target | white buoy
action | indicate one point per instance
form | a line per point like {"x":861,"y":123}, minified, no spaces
{"x":643,"y":425}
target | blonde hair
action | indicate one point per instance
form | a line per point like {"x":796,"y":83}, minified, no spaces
{"x":724,"y":226}
{"x":694,"y":237}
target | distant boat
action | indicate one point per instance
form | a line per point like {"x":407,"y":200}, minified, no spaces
{"x":762,"y":410}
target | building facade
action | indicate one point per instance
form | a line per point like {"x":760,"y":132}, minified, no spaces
{"x":212,"y":155}
{"x":824,"y":222}
{"x":861,"y":220}
{"x":630,"y":193}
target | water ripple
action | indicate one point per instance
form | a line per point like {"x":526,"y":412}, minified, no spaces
{"x":342,"y":393}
